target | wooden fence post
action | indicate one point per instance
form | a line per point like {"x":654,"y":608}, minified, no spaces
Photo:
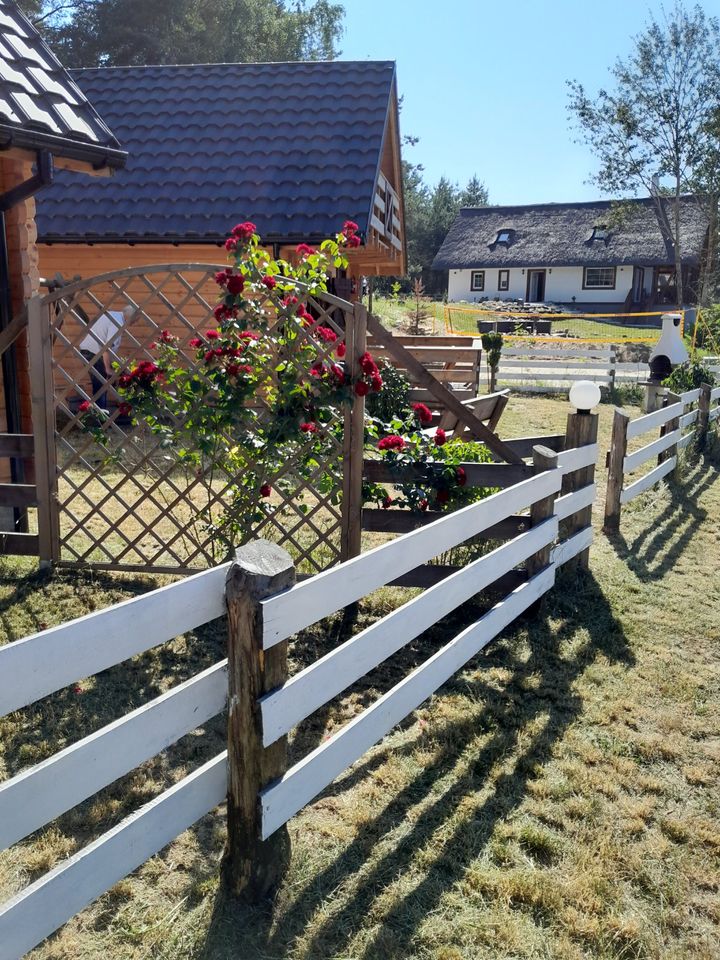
{"x":543,"y":459}
{"x":582,"y":430}
{"x":253,"y":867}
{"x":353,"y":438}
{"x":42,"y":392}
{"x":669,"y":427}
{"x":703,"y":416}
{"x":615,"y":462}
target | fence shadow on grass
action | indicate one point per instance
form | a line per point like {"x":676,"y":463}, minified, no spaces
{"x":544,"y":658}
{"x":655,"y":549}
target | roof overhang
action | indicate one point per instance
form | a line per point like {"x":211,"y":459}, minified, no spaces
{"x":93,"y":158}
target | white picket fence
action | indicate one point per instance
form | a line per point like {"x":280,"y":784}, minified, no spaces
{"x":48,"y":661}
{"x":548,"y":369}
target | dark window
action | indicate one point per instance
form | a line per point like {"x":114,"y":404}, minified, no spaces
{"x":599,"y":278}
{"x":600,"y":233}
{"x":477,"y":280}
{"x":504,"y":236}
{"x":503,"y":279}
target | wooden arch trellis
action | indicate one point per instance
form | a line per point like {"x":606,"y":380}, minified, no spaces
{"x":127,"y":503}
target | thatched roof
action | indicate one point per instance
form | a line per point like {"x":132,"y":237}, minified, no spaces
{"x":561,"y":234}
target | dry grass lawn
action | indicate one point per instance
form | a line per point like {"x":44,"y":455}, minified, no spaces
{"x":558,"y":799}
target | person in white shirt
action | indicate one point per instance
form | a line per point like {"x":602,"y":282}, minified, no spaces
{"x":98,"y":346}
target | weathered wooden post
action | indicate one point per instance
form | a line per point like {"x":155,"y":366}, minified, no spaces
{"x":253,"y":866}
{"x":543,"y":459}
{"x":353,"y":439}
{"x":670,"y":427}
{"x":615,"y":464}
{"x":581,"y":431}
{"x":703,"y":415}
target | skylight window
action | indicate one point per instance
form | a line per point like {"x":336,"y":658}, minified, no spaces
{"x":600,"y":232}
{"x":504,"y":236}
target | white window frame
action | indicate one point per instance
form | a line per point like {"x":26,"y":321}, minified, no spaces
{"x":476,"y":275}
{"x":610,"y":273}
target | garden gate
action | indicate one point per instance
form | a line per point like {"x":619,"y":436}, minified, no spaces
{"x":115,"y":496}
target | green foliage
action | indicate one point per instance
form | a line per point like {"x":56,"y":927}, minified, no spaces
{"x":707,"y":336}
{"x":393,"y":401}
{"x":492,"y":344}
{"x":689,"y":376}
{"x":134,"y":32}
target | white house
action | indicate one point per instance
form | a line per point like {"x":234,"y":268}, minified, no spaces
{"x":599,"y":255}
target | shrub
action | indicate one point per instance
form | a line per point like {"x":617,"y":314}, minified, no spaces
{"x":393,"y":401}
{"x":689,"y":376}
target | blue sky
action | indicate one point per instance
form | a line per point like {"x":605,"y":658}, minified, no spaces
{"x":484,"y":83}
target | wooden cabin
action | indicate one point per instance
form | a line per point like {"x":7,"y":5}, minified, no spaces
{"x":47,"y":127}
{"x":211,"y":145}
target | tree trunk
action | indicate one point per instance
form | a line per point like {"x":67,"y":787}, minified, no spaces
{"x":707,"y":288}
{"x":678,"y":248}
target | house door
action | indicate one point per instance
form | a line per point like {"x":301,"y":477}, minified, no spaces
{"x":536,"y":286}
{"x":638,"y":284}
{"x":665,"y":286}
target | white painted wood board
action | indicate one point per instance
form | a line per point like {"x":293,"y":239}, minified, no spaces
{"x":649,"y":480}
{"x":310,"y":601}
{"x":688,"y":418}
{"x":44,"y":662}
{"x":715,"y":393}
{"x":51,"y":901}
{"x":651,"y":420}
{"x":43,"y":792}
{"x":572,"y":502}
{"x":285,"y":707}
{"x":578,"y":457}
{"x":311,"y":775}
{"x":686,"y":440}
{"x":557,"y":354}
{"x":562,"y":552}
{"x":714,"y":414}
{"x":634,"y":460}
{"x":690,"y":396}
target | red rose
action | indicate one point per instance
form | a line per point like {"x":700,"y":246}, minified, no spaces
{"x":84,"y":406}
{"x":243,"y":231}
{"x":350,"y":228}
{"x":361,"y":388}
{"x":195,"y":342}
{"x":124,"y":380}
{"x":327,"y":334}
{"x":368,"y":365}
{"x":353,"y":241}
{"x":269,"y":282}
{"x":212,"y":334}
{"x":376,"y":383}
{"x":422,"y":412}
{"x":290,"y":301}
{"x":308,"y":427}
{"x":248,"y":335}
{"x":461,"y":477}
{"x":235,"y":284}
{"x":393,"y":442}
{"x":265,"y":490}
{"x":339,"y":374}
{"x":124,"y":409}
{"x":209,"y":356}
{"x":221,"y":312}
{"x":423,"y":504}
{"x":341,"y":350}
{"x":387,"y":502}
{"x":440,"y":437}
{"x":232,"y":369}
{"x":167,"y":337}
{"x":221,"y":277}
{"x":305,"y":250}
{"x":231,"y":244}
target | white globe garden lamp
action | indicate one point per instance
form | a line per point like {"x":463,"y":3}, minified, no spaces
{"x":584,"y":395}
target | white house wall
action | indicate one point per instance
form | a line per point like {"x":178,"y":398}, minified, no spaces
{"x":561,"y":285}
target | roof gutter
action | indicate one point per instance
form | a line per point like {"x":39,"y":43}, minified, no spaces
{"x":43,"y":178}
{"x":97,"y":156}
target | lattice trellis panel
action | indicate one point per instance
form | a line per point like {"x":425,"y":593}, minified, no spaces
{"x":130,"y":502}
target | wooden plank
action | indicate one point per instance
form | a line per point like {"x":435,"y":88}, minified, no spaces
{"x":353,"y":440}
{"x":569,"y":460}
{"x":284,"y":708}
{"x":306,"y":779}
{"x":580,"y":541}
{"x":690,"y":396}
{"x":38,"y":795}
{"x":52,"y":900}
{"x":19,"y":544}
{"x":714,"y":414}
{"x":457,"y":355}
{"x":686,"y":440}
{"x":17,"y":445}
{"x":545,"y":365}
{"x":652,"y":420}
{"x":403,"y":521}
{"x":616,"y":457}
{"x":333,"y":589}
{"x":478,"y":474}
{"x":430,"y":574}
{"x":552,"y":377}
{"x":446,"y":397}
{"x":649,"y":480}
{"x":639,"y":457}
{"x":569,"y":504}
{"x":715,"y":393}
{"x":12,"y":331}
{"x":18,"y":495}
{"x":418,"y":395}
{"x":559,"y":353}
{"x":44,"y":662}
{"x":689,"y":418}
{"x":523,"y":446}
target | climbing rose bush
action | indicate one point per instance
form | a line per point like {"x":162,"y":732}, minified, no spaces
{"x":265,"y":388}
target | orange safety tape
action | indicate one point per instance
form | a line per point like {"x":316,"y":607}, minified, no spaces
{"x":557,"y":316}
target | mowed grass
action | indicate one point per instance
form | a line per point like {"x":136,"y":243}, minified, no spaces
{"x":557,"y":799}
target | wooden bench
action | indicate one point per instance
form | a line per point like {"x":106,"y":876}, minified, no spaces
{"x":488,"y":408}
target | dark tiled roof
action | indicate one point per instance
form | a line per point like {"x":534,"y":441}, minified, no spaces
{"x":559,"y":234}
{"x":294,"y":147}
{"x":41,"y":107}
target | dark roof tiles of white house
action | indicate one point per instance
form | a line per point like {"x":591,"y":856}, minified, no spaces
{"x":294,"y":147}
{"x":568,"y":234}
{"x":41,"y":106}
